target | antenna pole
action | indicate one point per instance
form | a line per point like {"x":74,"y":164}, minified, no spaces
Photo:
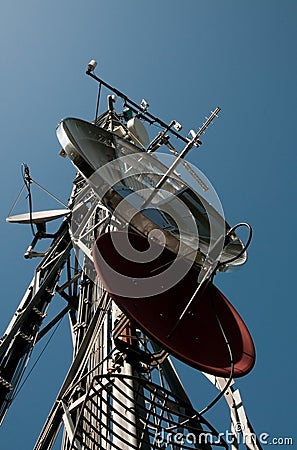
{"x":194,"y":141}
{"x":144,"y":114}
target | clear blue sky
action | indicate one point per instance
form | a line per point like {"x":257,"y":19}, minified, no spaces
{"x":185,"y":58}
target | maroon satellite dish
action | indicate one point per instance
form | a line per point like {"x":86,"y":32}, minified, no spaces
{"x":137,"y":287}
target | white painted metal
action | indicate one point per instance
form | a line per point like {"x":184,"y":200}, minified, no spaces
{"x":38,"y":216}
{"x":240,"y":426}
{"x":124,"y":415}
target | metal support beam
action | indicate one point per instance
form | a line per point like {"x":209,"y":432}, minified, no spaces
{"x":240,"y":425}
{"x":21,"y":334}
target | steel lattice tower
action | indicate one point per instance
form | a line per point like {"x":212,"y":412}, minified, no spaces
{"x":121,"y":391}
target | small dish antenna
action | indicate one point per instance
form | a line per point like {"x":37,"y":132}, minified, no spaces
{"x":38,"y":216}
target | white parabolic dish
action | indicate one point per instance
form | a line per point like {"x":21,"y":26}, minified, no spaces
{"x":38,"y":216}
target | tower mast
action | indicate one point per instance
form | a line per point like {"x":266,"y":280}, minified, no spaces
{"x":122,"y":390}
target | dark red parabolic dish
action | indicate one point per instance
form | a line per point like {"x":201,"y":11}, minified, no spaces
{"x":198,"y":339}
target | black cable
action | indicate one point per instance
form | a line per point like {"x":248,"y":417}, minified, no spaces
{"x":220,"y":395}
{"x":37,"y":360}
{"x":241,"y":224}
{"x":27,"y":181}
{"x":71,"y":387}
{"x":217,"y":398}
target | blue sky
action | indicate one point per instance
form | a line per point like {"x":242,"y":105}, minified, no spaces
{"x":185,"y":58}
